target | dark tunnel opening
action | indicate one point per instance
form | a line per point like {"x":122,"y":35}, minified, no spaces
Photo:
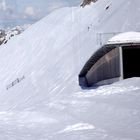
{"x":131,"y":62}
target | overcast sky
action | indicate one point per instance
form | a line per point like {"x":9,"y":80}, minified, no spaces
{"x":31,"y":9}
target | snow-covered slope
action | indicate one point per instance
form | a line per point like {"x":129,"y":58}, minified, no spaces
{"x":39,"y":94}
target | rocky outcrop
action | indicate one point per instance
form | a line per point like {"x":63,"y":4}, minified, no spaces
{"x":7,"y":34}
{"x":87,"y":2}
{"x":2,"y":36}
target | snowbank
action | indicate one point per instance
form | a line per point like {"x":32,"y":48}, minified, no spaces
{"x":128,"y":37}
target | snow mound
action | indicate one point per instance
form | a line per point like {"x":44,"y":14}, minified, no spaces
{"x":128,"y":37}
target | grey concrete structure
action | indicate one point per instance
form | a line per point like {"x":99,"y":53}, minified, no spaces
{"x":111,"y":63}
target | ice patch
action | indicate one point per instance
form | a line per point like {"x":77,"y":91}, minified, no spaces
{"x":78,"y":127}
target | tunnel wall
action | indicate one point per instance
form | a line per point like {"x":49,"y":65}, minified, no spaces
{"x":106,"y":68}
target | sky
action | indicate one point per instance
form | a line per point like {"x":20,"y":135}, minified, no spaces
{"x":28,"y":11}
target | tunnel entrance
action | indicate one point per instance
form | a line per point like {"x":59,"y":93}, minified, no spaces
{"x":131,"y":61}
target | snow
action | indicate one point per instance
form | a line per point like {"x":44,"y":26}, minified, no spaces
{"x":48,"y":103}
{"x":128,"y":37}
{"x":78,"y":127}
